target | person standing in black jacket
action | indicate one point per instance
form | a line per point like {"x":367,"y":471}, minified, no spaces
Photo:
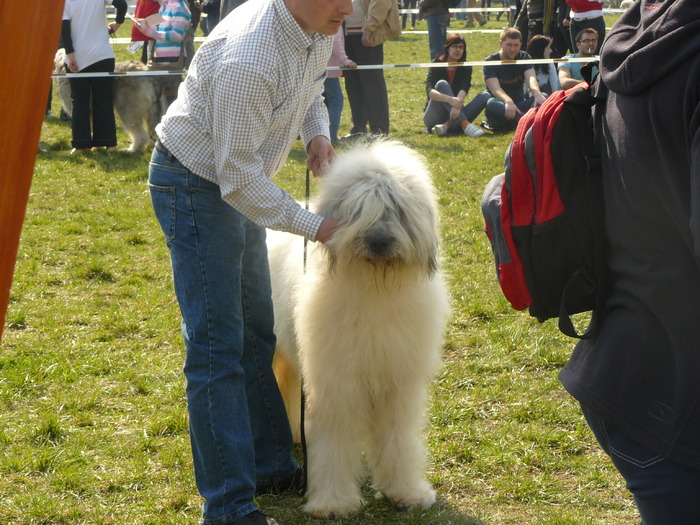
{"x":638,"y":378}
{"x":447,"y":87}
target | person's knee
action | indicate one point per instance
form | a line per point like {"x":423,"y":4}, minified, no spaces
{"x":495,"y":108}
{"x":443,"y":87}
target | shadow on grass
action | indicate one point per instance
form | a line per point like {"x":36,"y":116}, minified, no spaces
{"x":377,"y":511}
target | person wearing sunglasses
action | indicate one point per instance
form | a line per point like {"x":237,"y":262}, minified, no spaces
{"x":570,"y":72}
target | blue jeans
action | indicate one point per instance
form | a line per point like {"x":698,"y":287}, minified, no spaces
{"x":239,"y":431}
{"x":496,"y":113}
{"x":666,"y":492}
{"x":439,"y":112}
{"x":333,"y":96}
{"x":437,"y":34}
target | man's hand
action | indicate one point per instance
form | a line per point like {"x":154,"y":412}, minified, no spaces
{"x":321,"y":153}
{"x":112,"y":28}
{"x":72,"y":64}
{"x":539,"y":98}
{"x":511,"y":110}
{"x":456,"y":107}
{"x":325,"y":232}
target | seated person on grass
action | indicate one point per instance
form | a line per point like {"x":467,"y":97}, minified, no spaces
{"x":506,"y":84}
{"x":447,"y":87}
{"x":570,"y":72}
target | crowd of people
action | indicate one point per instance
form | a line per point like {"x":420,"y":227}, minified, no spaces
{"x":511,"y":89}
{"x":164,"y":30}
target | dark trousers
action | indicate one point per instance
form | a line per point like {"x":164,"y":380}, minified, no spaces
{"x":495,"y":114}
{"x":666,"y":492}
{"x":367,"y":95}
{"x":93,"y":115}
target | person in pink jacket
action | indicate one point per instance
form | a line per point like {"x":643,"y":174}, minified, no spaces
{"x":332,"y":94}
{"x":585,"y":14}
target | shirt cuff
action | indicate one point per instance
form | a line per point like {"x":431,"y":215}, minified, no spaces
{"x":306,"y":224}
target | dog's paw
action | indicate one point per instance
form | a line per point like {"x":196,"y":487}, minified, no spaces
{"x":334,"y":509}
{"x":408,"y":499}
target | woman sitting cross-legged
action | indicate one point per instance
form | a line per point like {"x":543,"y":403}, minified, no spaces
{"x":447,"y":88}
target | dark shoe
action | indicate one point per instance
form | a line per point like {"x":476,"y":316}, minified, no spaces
{"x":487,"y":126}
{"x":351,"y":139}
{"x":294,"y":483}
{"x":256,"y":518}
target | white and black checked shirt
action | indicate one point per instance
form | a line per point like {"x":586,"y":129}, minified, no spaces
{"x":253,"y":88}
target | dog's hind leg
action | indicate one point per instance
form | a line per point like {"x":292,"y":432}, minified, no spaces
{"x":155,"y":111}
{"x":398,"y":455}
{"x":139,"y":137}
{"x":290,"y":387}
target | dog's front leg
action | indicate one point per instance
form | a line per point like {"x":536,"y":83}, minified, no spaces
{"x":334,"y":457}
{"x":398,"y":456}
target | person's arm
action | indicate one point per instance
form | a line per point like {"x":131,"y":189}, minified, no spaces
{"x":376,"y":14}
{"x":456,"y":102}
{"x":121,"y":7}
{"x":321,"y":153}
{"x":67,"y":40}
{"x":174,"y":30}
{"x":464,"y":81}
{"x":250,"y":103}
{"x":553,"y":78}
{"x":531,"y":79}
{"x":565,"y":78}
{"x":494,"y":87}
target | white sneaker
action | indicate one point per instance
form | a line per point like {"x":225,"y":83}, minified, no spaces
{"x":440,"y":130}
{"x":473,"y":131}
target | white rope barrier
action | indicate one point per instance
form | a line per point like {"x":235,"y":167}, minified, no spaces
{"x":532,"y":61}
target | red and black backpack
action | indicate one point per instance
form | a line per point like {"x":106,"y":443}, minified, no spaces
{"x":544,"y":215}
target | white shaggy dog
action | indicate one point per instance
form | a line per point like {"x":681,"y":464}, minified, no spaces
{"x":365,"y":326}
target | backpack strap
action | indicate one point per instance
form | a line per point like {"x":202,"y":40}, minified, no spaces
{"x":587,"y":282}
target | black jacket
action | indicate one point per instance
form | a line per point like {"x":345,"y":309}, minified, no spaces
{"x":431,"y":8}
{"x":642,"y":371}
{"x":461,"y":81}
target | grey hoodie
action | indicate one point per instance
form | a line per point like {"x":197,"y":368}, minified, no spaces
{"x":642,"y":371}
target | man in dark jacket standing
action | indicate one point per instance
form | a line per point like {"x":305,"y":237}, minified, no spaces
{"x":638,"y":379}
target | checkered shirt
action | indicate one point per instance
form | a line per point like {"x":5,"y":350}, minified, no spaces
{"x":252,"y":89}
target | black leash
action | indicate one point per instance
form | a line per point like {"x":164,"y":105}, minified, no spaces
{"x":305,"y":468}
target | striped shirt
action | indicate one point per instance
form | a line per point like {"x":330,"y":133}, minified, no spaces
{"x":252,"y":88}
{"x":170,"y":33}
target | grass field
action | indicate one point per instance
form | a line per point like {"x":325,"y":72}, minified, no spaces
{"x":93,"y":426}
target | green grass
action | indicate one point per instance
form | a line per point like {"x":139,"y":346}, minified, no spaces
{"x":93,"y":426}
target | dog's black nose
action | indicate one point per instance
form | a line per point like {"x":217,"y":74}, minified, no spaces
{"x":378,"y":244}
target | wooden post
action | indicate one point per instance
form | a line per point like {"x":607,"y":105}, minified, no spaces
{"x":28,"y":39}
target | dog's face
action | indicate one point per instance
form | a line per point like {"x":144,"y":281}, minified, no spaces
{"x":383,"y":196}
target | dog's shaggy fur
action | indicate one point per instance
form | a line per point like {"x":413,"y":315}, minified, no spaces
{"x":364,"y":325}
{"x":138,"y":100}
